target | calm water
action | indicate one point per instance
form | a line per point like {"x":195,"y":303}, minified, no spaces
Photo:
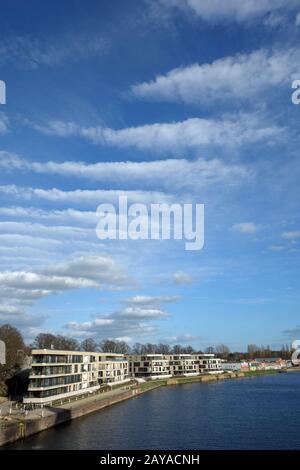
{"x":253,"y":413}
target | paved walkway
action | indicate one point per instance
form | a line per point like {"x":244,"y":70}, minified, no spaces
{"x":9,"y":412}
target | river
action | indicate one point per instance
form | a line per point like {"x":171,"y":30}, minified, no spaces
{"x":252,"y":413}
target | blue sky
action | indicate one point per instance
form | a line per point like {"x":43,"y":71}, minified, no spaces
{"x":165,"y":101}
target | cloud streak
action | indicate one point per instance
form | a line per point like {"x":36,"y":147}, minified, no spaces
{"x":191,"y":134}
{"x":30,"y":53}
{"x":174,"y":174}
{"x":214,"y":11}
{"x":240,"y":77}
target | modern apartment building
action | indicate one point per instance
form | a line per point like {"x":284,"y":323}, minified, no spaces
{"x":183,"y":364}
{"x":155,"y":366}
{"x":56,"y":375}
{"x":112,"y":368}
{"x":209,"y":363}
{"x":150,"y":366}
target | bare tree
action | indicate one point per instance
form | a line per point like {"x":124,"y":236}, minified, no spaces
{"x":222,"y":351}
{"x":59,"y":342}
{"x":88,"y":344}
{"x":177,"y":349}
{"x":253,"y":349}
{"x":44,"y":341}
{"x":163,"y":348}
{"x":137,"y":348}
{"x":118,"y":347}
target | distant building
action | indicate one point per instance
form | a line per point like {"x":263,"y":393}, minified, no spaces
{"x":231,"y":366}
{"x":256,"y":364}
{"x":269,"y":363}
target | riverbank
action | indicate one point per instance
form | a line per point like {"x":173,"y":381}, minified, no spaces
{"x":20,"y":426}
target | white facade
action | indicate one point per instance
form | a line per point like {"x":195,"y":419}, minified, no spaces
{"x":162,"y":366}
{"x":56,"y":375}
{"x":151,"y":366}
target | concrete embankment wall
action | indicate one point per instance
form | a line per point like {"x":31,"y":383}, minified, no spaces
{"x":12,"y":432}
{"x":203,"y":378}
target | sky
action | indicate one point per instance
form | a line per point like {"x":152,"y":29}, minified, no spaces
{"x":162,"y":101}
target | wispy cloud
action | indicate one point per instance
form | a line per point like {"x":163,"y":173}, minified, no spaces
{"x":3,"y":123}
{"x":215,"y":11}
{"x":292,"y":333}
{"x":246,"y":227}
{"x":291,"y":235}
{"x":135,"y":320}
{"x":240,"y":77}
{"x":30,"y":52}
{"x":150,"y":301}
{"x":194,"y":133}
{"x":182,"y":339}
{"x":84,"y":196}
{"x":65,"y":216}
{"x":170,"y":174}
{"x":181,"y":277}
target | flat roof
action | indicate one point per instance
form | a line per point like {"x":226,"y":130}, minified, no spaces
{"x":77,"y":353}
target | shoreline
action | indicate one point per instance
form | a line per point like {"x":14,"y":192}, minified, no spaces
{"x":22,"y":428}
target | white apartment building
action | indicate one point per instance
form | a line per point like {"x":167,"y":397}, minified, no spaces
{"x":162,"y":366}
{"x":56,"y":375}
{"x":112,"y":368}
{"x":183,"y":364}
{"x":151,"y":366}
{"x":209,"y":363}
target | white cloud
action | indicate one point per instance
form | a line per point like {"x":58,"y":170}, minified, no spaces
{"x":84,"y":196}
{"x":298,"y":19}
{"x":142,"y":313}
{"x":101,"y":269}
{"x":194,"y":133}
{"x":66,"y":215}
{"x":180,"y":277}
{"x":277,"y":248}
{"x":246,"y":227}
{"x":132,"y":321}
{"x":292,"y":235}
{"x":163,"y":174}
{"x":150,"y":300}
{"x":230,"y":10}
{"x":116,"y":325}
{"x":9,"y":310}
{"x":185,"y":338}
{"x":30,"y":280}
{"x":12,"y":312}
{"x":47,"y":231}
{"x":237,"y":77}
{"x":89,"y":271}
